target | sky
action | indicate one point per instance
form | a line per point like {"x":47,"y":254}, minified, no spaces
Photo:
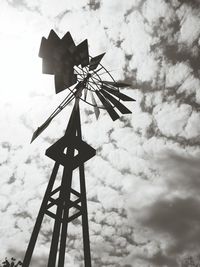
{"x":143,"y":185}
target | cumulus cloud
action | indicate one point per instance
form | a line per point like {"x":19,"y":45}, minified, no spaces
{"x":171,"y":213}
{"x":171,"y":119}
{"x":143,"y":194}
{"x":189,"y":16}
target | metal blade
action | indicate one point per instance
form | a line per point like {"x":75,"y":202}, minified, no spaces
{"x":118,"y":105}
{"x":40,"y":129}
{"x":117,"y":84}
{"x":96,"y":109}
{"x":81,"y":54}
{"x":94,"y":62}
{"x":113,"y":114}
{"x":117,"y":93}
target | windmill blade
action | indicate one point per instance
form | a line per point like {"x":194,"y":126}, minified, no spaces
{"x":41,"y":129}
{"x":117,"y":93}
{"x":94,"y":62}
{"x":117,"y":84}
{"x":114,"y":101}
{"x":96,"y":109}
{"x":113,"y":114}
{"x":81,"y":54}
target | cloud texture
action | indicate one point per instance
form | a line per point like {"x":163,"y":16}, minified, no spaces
{"x":143,"y":185}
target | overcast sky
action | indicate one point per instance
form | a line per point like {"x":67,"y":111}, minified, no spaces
{"x":143,"y":186}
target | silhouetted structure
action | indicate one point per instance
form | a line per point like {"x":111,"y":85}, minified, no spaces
{"x":72,"y":65}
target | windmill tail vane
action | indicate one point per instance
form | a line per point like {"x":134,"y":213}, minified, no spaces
{"x":89,"y":81}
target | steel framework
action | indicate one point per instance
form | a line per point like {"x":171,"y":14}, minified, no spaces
{"x":63,"y":153}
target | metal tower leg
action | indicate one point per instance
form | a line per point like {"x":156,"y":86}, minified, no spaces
{"x":40,"y":217}
{"x":85,"y":225}
{"x":66,"y":206}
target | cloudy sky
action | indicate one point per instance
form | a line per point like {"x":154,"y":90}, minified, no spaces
{"x":143,"y":186}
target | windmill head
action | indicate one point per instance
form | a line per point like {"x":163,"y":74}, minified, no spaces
{"x":59,"y":56}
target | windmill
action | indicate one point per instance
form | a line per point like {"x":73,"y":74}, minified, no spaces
{"x":87,"y":80}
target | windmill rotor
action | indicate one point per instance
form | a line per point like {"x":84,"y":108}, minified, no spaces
{"x":84,"y":77}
